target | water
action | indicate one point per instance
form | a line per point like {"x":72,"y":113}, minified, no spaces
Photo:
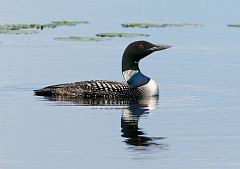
{"x":194,"y":124}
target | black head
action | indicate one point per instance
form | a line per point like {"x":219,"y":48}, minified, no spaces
{"x":138,"y":50}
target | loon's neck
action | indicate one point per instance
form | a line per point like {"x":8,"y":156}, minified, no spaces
{"x":132,"y":73}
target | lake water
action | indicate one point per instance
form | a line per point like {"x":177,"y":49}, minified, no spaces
{"x":195,"y":122}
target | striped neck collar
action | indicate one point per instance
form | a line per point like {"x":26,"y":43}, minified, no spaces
{"x":135,"y":78}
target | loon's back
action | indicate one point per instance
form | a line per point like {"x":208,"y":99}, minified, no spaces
{"x":90,"y":89}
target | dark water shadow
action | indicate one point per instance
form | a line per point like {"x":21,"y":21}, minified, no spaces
{"x":132,"y":110}
{"x":135,"y":136}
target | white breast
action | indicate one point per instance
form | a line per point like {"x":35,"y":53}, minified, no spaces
{"x":149,"y":89}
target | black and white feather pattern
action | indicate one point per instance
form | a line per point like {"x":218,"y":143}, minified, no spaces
{"x":91,"y":89}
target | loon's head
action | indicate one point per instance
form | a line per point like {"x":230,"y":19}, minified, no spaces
{"x":130,"y":70}
{"x":136,"y":51}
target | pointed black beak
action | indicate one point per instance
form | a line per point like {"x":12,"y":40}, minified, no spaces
{"x":159,"y":47}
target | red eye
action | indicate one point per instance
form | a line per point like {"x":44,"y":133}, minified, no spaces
{"x":141,"y":46}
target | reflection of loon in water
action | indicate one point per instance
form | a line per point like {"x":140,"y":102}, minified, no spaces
{"x":129,"y":123}
{"x":133,"y":109}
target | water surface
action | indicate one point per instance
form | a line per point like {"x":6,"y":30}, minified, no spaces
{"x":193,"y":124}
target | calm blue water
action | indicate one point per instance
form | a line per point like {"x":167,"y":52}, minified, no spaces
{"x":194,"y":124}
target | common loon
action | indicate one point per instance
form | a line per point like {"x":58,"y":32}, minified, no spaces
{"x":136,"y":85}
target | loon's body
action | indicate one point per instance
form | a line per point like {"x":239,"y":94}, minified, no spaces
{"x":136,"y":85}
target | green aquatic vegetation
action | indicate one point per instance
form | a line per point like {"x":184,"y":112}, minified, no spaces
{"x":13,"y":26}
{"x":165,"y":25}
{"x":125,"y":35}
{"x":55,"y":24}
{"x":83,"y":39}
{"x":16,"y":29}
{"x":28,"y":28}
{"x":234,"y":25}
{"x":18,"y":32}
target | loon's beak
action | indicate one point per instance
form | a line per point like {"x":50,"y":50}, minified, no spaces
{"x":159,"y":47}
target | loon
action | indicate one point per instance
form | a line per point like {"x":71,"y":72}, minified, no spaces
{"x":137,"y":84}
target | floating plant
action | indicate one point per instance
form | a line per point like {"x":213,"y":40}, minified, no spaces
{"x":151,"y":25}
{"x":234,"y":25}
{"x":18,"y":31}
{"x":83,"y":39}
{"x":55,"y":24}
{"x":125,"y":35}
{"x":27,"y":28}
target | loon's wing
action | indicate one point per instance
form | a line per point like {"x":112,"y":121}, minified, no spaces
{"x":88,"y":89}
